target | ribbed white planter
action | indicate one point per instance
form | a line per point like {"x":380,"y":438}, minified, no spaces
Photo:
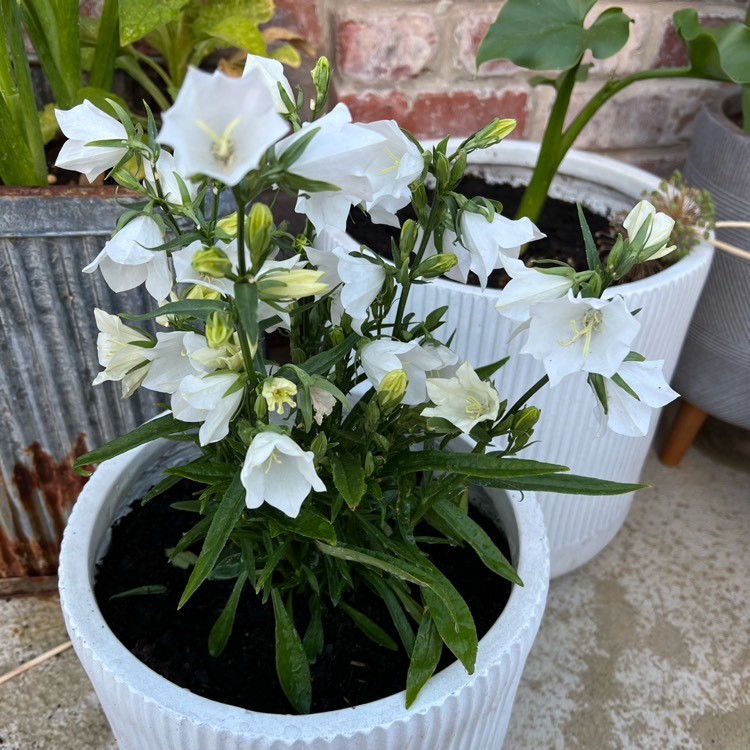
{"x":577,"y":527}
{"x":455,"y":711}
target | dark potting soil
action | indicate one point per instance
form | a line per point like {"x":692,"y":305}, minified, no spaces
{"x":559,"y":221}
{"x":352,"y":669}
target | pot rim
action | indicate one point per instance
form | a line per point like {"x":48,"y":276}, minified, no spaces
{"x":107,"y":490}
{"x":595,"y":169}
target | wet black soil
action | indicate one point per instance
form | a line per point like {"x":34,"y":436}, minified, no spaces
{"x":352,"y":669}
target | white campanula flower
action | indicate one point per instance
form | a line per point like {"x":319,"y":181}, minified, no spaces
{"x":527,"y":286}
{"x":357,"y":279}
{"x":659,"y":229}
{"x":339,"y":153}
{"x":399,"y":162}
{"x":464,"y":400}
{"x":383,"y":356}
{"x":166,"y":170}
{"x":278,"y":472}
{"x":127,"y":261}
{"x":278,"y":393}
{"x":272,"y":73}
{"x":119,"y":352}
{"x":631,"y":416}
{"x":212,"y":399}
{"x":574,"y":334}
{"x":171,"y":360}
{"x":485,"y":245}
{"x":81,"y":125}
{"x":221,"y":126}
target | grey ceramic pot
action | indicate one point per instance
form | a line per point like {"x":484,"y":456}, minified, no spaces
{"x":50,"y":413}
{"x":713,"y":372}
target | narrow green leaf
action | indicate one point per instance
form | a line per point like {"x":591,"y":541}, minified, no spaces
{"x":592,"y":254}
{"x":148,"y":590}
{"x":222,"y":524}
{"x":198,"y":308}
{"x":246,"y":297}
{"x":313,"y":641}
{"x":163,"y":426}
{"x":401,"y":622}
{"x":469,"y":464}
{"x":292,"y":666}
{"x":424,"y":659}
{"x":458,"y":632}
{"x":486,"y":372}
{"x":139,"y":17}
{"x":308,"y":523}
{"x":568,"y":483}
{"x":369,"y":627}
{"x":323,"y":362}
{"x":159,"y":488}
{"x":204,"y":471}
{"x":476,"y":537}
{"x":222,"y":629}
{"x":349,"y":479}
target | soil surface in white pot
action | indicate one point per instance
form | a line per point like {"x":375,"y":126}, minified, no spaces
{"x":352,"y":669}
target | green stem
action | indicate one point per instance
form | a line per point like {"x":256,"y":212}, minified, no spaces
{"x":556,"y":142}
{"x":528,"y":395}
{"x":241,"y":261}
{"x":107,"y":46}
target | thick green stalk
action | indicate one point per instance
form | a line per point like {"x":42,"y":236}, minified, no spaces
{"x":107,"y":47}
{"x":556,"y":142}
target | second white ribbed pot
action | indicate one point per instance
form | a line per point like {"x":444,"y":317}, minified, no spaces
{"x":578,"y":527}
{"x":454,"y":711}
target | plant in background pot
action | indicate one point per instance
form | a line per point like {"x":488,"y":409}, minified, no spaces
{"x":331,"y":471}
{"x":549,"y":35}
{"x":714,"y":367}
{"x":47,"y":233}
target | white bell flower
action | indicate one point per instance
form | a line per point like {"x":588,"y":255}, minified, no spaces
{"x":464,"y":400}
{"x":278,"y":472}
{"x":212,"y":399}
{"x":627,"y":415}
{"x":526,"y":287}
{"x":383,"y":356}
{"x":358,"y":281}
{"x":221,"y":126}
{"x":574,"y":334}
{"x":166,"y":170}
{"x":81,"y":125}
{"x":119,"y":354}
{"x":398,"y":164}
{"x":127,"y":262}
{"x":339,"y":153}
{"x":322,"y":402}
{"x":171,"y":360}
{"x":485,"y":245}
{"x":272,"y":73}
{"x":661,"y":226}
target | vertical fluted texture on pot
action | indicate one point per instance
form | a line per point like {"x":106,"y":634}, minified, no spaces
{"x":50,"y":412}
{"x":454,"y":711}
{"x":714,"y":369}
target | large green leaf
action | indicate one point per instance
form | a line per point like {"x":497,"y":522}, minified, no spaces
{"x":571,"y":484}
{"x":722,"y":53}
{"x":241,"y":33}
{"x":424,"y":658}
{"x":550,"y":34}
{"x":217,"y":12}
{"x":349,"y":478}
{"x":139,"y":17}
{"x":222,"y":629}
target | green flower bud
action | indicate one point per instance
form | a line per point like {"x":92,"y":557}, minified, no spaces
{"x":228,"y":224}
{"x":408,"y":238}
{"x":491,"y":134}
{"x":289,"y":284}
{"x":321,"y":76}
{"x":219,"y":329}
{"x":258,"y":232}
{"x":261,"y":409}
{"x":213,"y":262}
{"x":392,"y":388}
{"x":435,"y":265}
{"x":319,"y":446}
{"x":442,"y":169}
{"x":369,"y":465}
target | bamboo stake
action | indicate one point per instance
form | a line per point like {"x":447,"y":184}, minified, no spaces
{"x":36,"y":661}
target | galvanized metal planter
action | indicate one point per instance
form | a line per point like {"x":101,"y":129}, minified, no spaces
{"x":50,"y":413}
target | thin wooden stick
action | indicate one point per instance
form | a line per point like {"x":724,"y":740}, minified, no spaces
{"x":35,"y":662}
{"x":732,"y":224}
{"x":731,"y":249}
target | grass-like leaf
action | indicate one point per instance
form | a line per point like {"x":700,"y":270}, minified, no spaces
{"x":292,"y":666}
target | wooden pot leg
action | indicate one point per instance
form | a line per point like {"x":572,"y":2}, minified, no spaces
{"x":686,"y":425}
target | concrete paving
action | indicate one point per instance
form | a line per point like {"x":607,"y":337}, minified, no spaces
{"x":646,"y":647}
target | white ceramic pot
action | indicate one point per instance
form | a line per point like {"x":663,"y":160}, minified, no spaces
{"x":455,"y":711}
{"x":577,"y":527}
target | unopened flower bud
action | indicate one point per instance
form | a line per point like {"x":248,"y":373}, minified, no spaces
{"x":648,"y":231}
{"x":392,"y":388}
{"x":219,"y":329}
{"x":435,"y":265}
{"x":293,"y":283}
{"x":493,"y":133}
{"x":442,"y":169}
{"x":408,"y":239}
{"x":228,"y":224}
{"x":319,"y":446}
{"x":259,"y":228}
{"x":321,"y":76}
{"x":212,"y":261}
{"x":198,"y":291}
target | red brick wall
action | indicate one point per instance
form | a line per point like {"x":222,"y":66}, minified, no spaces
{"x":413,"y":60}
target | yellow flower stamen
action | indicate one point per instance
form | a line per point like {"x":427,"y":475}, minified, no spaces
{"x":396,"y":161}
{"x":273,"y":458}
{"x":222,"y":148}
{"x":589,"y":323}
{"x":475,"y":409}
